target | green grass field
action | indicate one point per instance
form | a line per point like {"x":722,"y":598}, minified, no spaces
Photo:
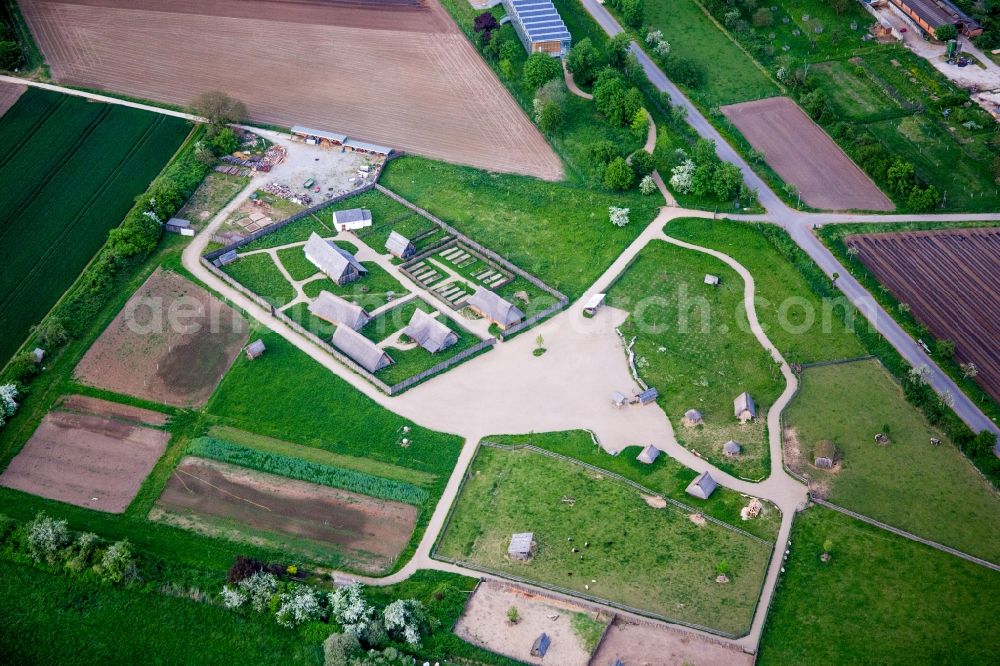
{"x":784,"y":301}
{"x":50,"y":618}
{"x":850,"y":91}
{"x":665,"y":475}
{"x":881,"y":599}
{"x":259,"y":274}
{"x":296,"y":232}
{"x":694,"y":346}
{"x":627,"y":551}
{"x":217,"y":190}
{"x":71,"y":170}
{"x":932,"y":491}
{"x":374,"y":289}
{"x":559,"y":232}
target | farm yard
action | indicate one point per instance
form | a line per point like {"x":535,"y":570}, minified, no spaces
{"x":433,"y":93}
{"x":805,"y":156}
{"x":171,"y":343}
{"x":878,"y":597}
{"x":217,"y":190}
{"x":240,"y":504}
{"x":90,"y":453}
{"x":905,"y":481}
{"x":570,"y":509}
{"x":950,"y":281}
{"x":73,"y":169}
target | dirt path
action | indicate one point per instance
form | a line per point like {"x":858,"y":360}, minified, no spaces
{"x":571,"y":84}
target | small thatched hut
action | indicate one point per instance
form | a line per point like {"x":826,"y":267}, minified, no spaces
{"x":824,"y":454}
{"x":692,"y":418}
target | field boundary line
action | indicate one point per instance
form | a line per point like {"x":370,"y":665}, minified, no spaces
{"x":841,"y":361}
{"x":907,"y":535}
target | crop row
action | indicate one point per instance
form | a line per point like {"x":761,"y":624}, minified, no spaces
{"x":26,"y":118}
{"x":303,"y":470}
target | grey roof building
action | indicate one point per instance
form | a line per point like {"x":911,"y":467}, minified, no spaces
{"x":692,"y":417}
{"x":648,"y":454}
{"x":702,"y":486}
{"x":399,"y":245}
{"x":255,"y":349}
{"x":338,"y":264}
{"x":352,"y":218}
{"x":647,"y":396}
{"x":744,"y":407}
{"x":336,"y":310}
{"x":732,"y":448}
{"x":501,"y":312}
{"x":360,"y":349}
{"x":429,"y":333}
{"x":541,"y":645}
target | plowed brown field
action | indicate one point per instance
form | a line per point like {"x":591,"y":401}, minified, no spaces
{"x":9,"y":94}
{"x":402,"y":75}
{"x":951,"y":281}
{"x":804,"y":155}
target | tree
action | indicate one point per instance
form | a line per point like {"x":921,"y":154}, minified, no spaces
{"x":763,"y":18}
{"x":814,"y":104}
{"x":618,"y":50}
{"x":603,"y":152}
{"x":299,"y":605}
{"x":8,"y":399}
{"x":647,"y":185}
{"x":351,"y":610}
{"x":682,"y":176}
{"x":118,"y":564}
{"x":406,"y":619}
{"x":618,"y":103}
{"x":946,"y":348}
{"x":618,"y":216}
{"x":726,"y":181}
{"x":633,"y":12}
{"x":46,"y":537}
{"x":218,"y":108}
{"x":550,"y":117}
{"x":225,"y":142}
{"x":485,"y":24}
{"x":10,"y":55}
{"x":540,"y":68}
{"x":584,"y":61}
{"x":642,"y":163}
{"x":510,"y":49}
{"x":339,"y":649}
{"x":969,"y":370}
{"x":243,"y":568}
{"x":618,"y":175}
{"x":923,"y":200}
{"x":685,"y":72}
{"x":704,"y":152}
{"x":943,"y":33}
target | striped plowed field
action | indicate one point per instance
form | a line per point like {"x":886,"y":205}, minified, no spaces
{"x":951,"y":281}
{"x":9,"y":93}
{"x":401,"y":75}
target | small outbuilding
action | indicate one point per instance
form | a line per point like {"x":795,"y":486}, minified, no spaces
{"x":711,"y":280}
{"x":522,"y":546}
{"x":490,"y":305}
{"x":647,"y":396}
{"x":541,"y":645}
{"x":429,"y":333}
{"x":648,"y":454}
{"x":692,"y":418}
{"x":825,"y":454}
{"x":744,"y":407}
{"x":360,"y":349}
{"x":338,"y":264}
{"x":596,"y":301}
{"x":732,"y":448}
{"x":367,"y":148}
{"x":334,"y":309}
{"x":226,"y":258}
{"x":618,"y":399}
{"x":38,"y":355}
{"x":400,"y":246}
{"x":352,"y":219}
{"x":177,"y":225}
{"x":317,"y":137}
{"x":255,"y":349}
{"x":702,"y":487}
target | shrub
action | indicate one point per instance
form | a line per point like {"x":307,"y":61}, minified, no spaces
{"x":243,"y":568}
{"x":633,"y":11}
{"x":46,"y":537}
{"x":550,"y":117}
{"x":406,"y":619}
{"x":647,"y":186}
{"x":299,"y":605}
{"x":643,"y":163}
{"x":118,"y":564}
{"x":618,"y":175}
{"x":51,"y":333}
{"x":257,"y":590}
{"x":584,"y":61}
{"x":485,"y":23}
{"x":762,"y":18}
{"x":618,"y":216}
{"x":83,"y":551}
{"x":617,"y":51}
{"x":685,"y":72}
{"x":540,"y":68}
{"x":510,"y":49}
{"x":945,"y":32}
{"x":603,"y":152}
{"x":22,"y":368}
{"x":225,"y":142}
{"x":682,"y":176}
{"x":513,"y":616}
{"x":339,"y":649}
{"x":10,"y":55}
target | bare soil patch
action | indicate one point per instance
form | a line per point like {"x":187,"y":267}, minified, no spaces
{"x":484,"y":623}
{"x":372,"y":531}
{"x":171,"y":343}
{"x":804,"y":155}
{"x":9,"y":94}
{"x":639,"y":643}
{"x":87,"y":460}
{"x":951,"y":280}
{"x":401,"y":76}
{"x":87,"y":405}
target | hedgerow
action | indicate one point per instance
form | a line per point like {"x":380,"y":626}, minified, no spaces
{"x":303,"y":470}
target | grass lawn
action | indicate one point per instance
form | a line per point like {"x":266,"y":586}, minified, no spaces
{"x":784,"y":301}
{"x":559,"y":232}
{"x":296,"y":232}
{"x":295,"y":262}
{"x":881,"y":599}
{"x":730,"y":75}
{"x":217,"y":190}
{"x":693,"y":344}
{"x":665,"y":475}
{"x":932,"y":491}
{"x":49,"y":618}
{"x":850,"y":91}
{"x":371,"y":291}
{"x":299,"y":313}
{"x":388,"y":215}
{"x":654,"y":559}
{"x":259,"y":274}
{"x":299,"y":392}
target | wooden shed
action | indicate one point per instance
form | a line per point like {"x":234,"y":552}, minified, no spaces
{"x":255,"y":349}
{"x":522,"y":546}
{"x":400,"y":246}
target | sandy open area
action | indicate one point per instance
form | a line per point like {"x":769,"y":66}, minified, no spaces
{"x":171,"y":343}
{"x":804,"y":155}
{"x":87,"y":460}
{"x":639,"y":643}
{"x":402,"y":76}
{"x":9,"y":94}
{"x":484,"y":623}
{"x":372,"y":530}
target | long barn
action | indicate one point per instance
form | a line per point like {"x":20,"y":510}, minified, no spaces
{"x":539,"y":26}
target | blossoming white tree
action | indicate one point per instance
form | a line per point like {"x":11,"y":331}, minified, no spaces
{"x":647,"y":186}
{"x":618,"y":216}
{"x":405,"y":618}
{"x":682,"y":176}
{"x":298,"y":605}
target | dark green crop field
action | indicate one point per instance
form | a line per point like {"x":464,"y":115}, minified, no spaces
{"x":70,"y":170}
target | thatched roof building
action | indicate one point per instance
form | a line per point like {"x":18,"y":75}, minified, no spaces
{"x":490,"y":305}
{"x":399,"y":246}
{"x":429,"y":333}
{"x":732,"y":448}
{"x":692,"y":418}
{"x":648,"y":454}
{"x":744,"y":407}
{"x":702,"y":487}
{"x":336,"y":310}
{"x":825,"y":454}
{"x":338,"y":264}
{"x":255,"y":349}
{"x":360,"y":349}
